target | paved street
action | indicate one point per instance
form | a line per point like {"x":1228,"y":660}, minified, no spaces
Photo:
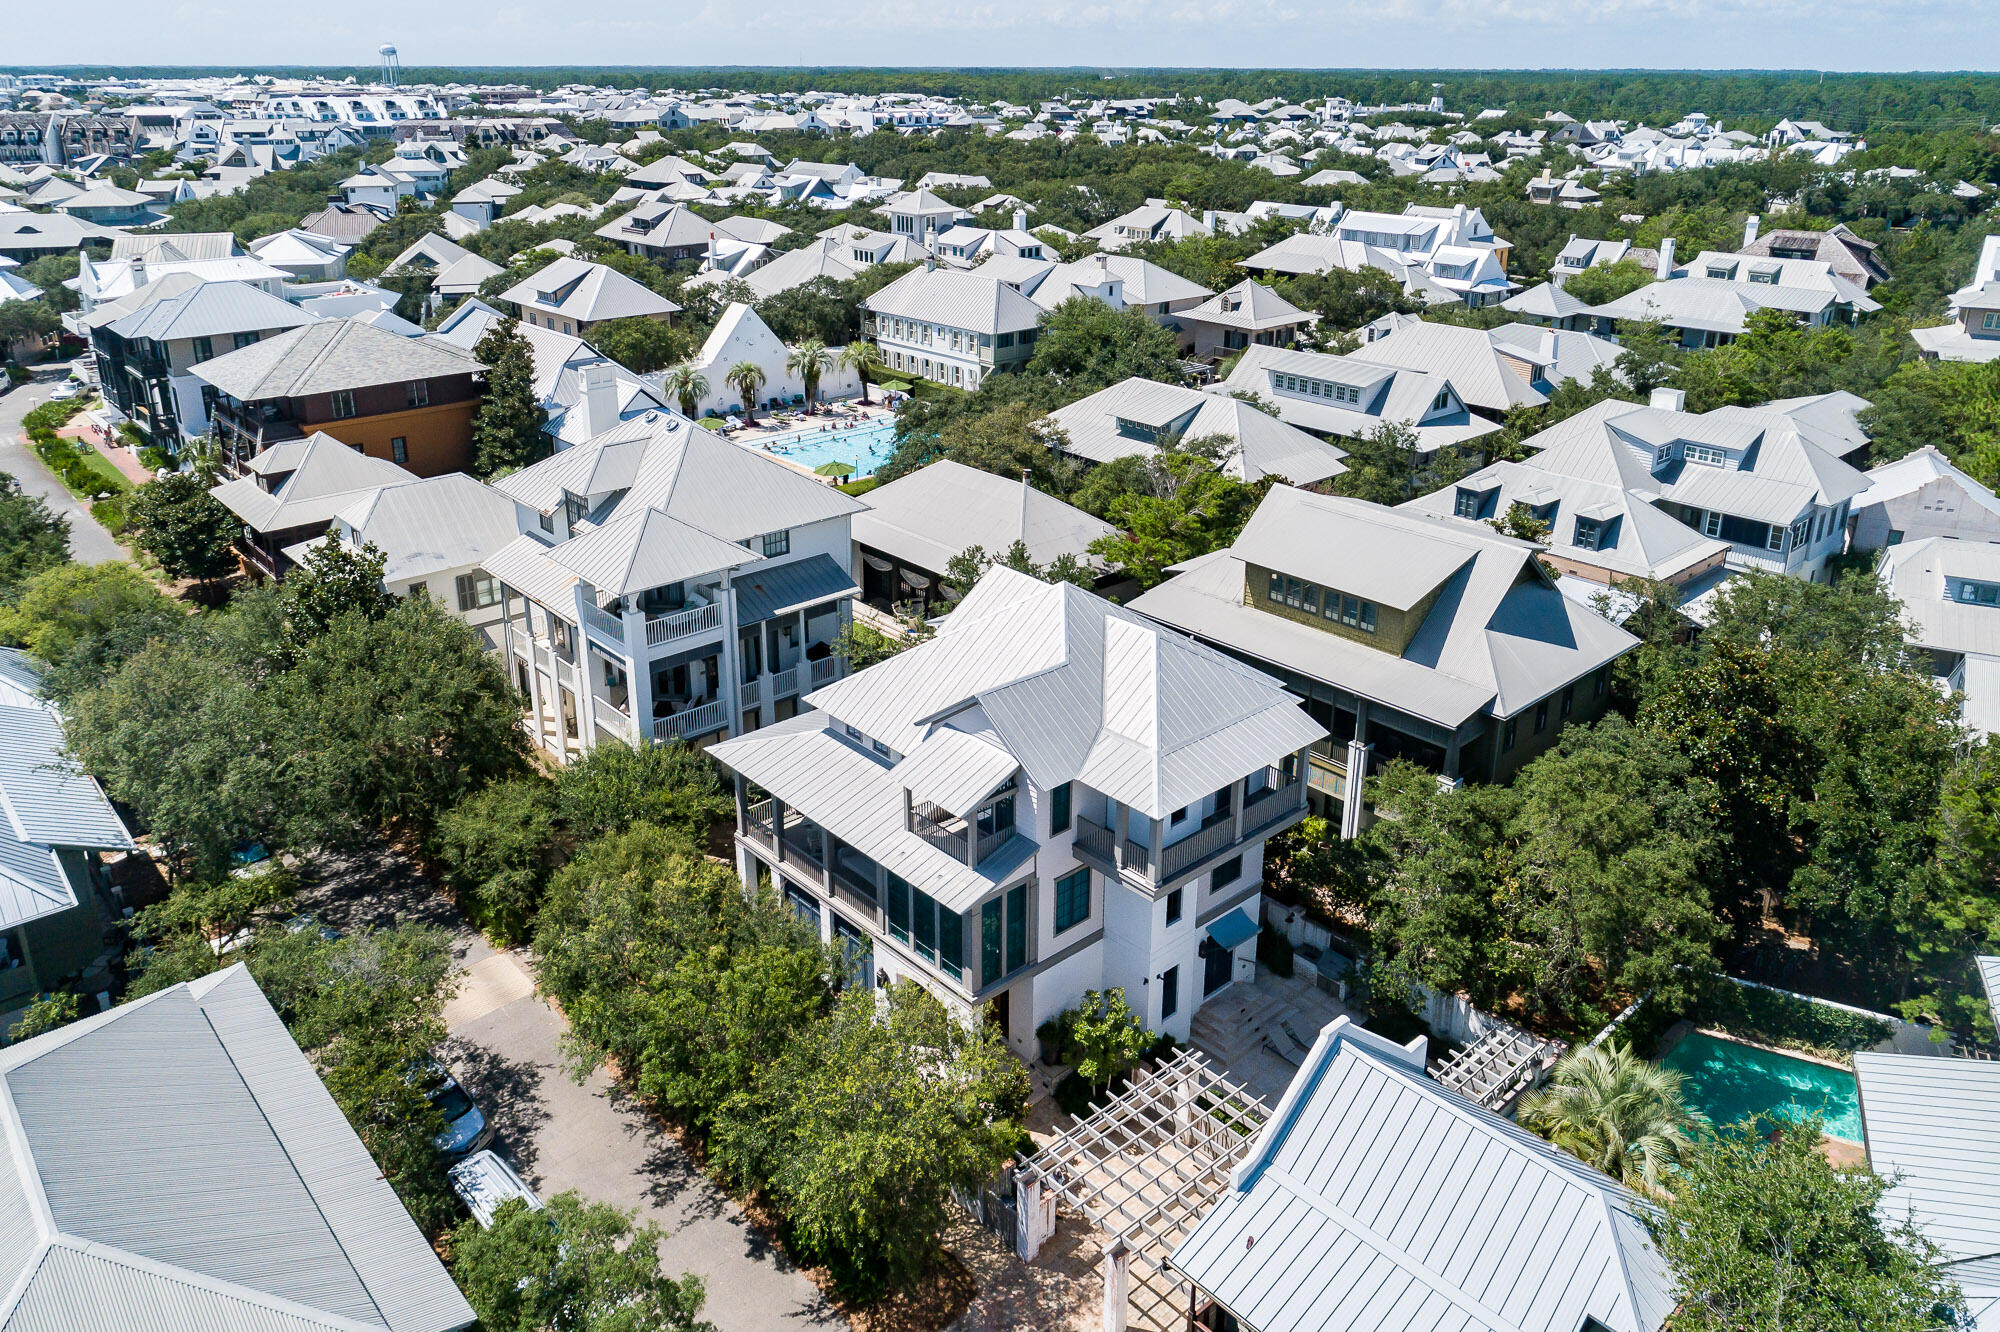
{"x":588,"y":1137}
{"x":88,"y":542}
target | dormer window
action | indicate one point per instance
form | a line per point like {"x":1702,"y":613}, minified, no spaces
{"x":1723,"y":271}
{"x":1442,"y":400}
{"x":1702,"y":453}
{"x":1588,"y":534}
{"x":1979,"y":594}
{"x":1471,"y":503}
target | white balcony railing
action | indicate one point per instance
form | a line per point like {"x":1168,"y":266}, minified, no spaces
{"x":605,"y":625}
{"x":752,"y":692}
{"x":683,"y":624}
{"x":825,"y":672}
{"x":784,"y":683}
{"x":693,"y":722}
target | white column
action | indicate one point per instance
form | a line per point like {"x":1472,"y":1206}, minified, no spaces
{"x":1357,"y":776}
{"x":1034,"y":1216}
{"x":534,"y":672}
{"x":586,"y":712}
{"x":638,"y":675}
{"x":1117,"y":1285}
{"x":732,"y":668}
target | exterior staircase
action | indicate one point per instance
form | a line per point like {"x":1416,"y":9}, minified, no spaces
{"x":1238,"y":1020}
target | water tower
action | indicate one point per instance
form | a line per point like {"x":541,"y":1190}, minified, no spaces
{"x":392,"y":68}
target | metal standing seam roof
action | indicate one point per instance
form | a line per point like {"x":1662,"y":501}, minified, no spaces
{"x":588,"y":292}
{"x":430,"y":525}
{"x":177,"y":1160}
{"x":46,"y":797}
{"x":524,"y":564}
{"x":1915,"y":573}
{"x":957,"y":300}
{"x":1465,"y":357}
{"x":928,"y":516}
{"x":770,"y":590}
{"x":1265,"y":445}
{"x":1930,"y":1129}
{"x":210,"y":310}
{"x":325,"y":477}
{"x":1376,"y":1201}
{"x":332,"y":354}
{"x":645,"y":548}
{"x":20,"y":678}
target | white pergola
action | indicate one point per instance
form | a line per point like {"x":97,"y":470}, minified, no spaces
{"x":1497,"y":1067}
{"x":1143,"y":1169}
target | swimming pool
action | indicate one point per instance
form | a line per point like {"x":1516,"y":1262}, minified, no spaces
{"x":867,"y":446}
{"x":1728,"y":1081}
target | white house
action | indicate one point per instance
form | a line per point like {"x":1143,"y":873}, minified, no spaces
{"x":1950,"y":594}
{"x":740,"y":335}
{"x":573,"y":295}
{"x":1051,"y":796}
{"x":952,"y":327}
{"x":1708,"y":301}
{"x":1135,"y":416}
{"x":668,"y":584}
{"x":1974,"y":333}
{"x":1346,"y":397}
{"x":1918,"y":495}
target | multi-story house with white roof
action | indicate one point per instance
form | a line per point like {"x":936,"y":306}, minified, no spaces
{"x":1766,"y":488}
{"x":1052,"y":796}
{"x":1348,"y":397}
{"x":1440,"y":254}
{"x":1707,"y":302}
{"x":951,"y":327}
{"x":668,"y":584}
{"x":1974,"y":331}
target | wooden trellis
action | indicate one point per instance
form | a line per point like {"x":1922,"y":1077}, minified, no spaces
{"x":1501,"y":1064}
{"x":1146,"y":1167}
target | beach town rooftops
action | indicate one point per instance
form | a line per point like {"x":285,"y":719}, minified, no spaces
{"x":1940,"y":581}
{"x":175,"y":246}
{"x":659,"y":459}
{"x":1497,"y":637}
{"x":1135,"y":415}
{"x":588,"y":293}
{"x":932,"y":514}
{"x":1070,"y":686}
{"x":309,"y":481}
{"x":1374,"y":1200}
{"x":432,"y":525}
{"x":1352,"y":395}
{"x":956,"y":300}
{"x":1251,"y":306}
{"x":206,"y":310}
{"x":220,"y":1187}
{"x":328,"y":355}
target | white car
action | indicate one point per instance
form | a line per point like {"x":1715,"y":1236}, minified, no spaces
{"x":69,"y":388}
{"x":484,"y":1180}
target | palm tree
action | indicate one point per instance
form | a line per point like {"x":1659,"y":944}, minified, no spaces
{"x":1608,"y":1107}
{"x":863,"y":359}
{"x":810,"y":360}
{"x":746,"y":377}
{"x":687,"y":386}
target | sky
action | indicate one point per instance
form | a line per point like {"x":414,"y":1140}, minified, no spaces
{"x":1879,"y":35}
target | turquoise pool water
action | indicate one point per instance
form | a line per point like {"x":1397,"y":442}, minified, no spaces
{"x":866,"y":446}
{"x":1728,"y":1081}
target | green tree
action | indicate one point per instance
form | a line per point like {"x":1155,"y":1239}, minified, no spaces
{"x":575,"y":1267}
{"x":1606,"y":1106}
{"x":810,"y":361}
{"x":184,"y":527}
{"x":1106,"y":1038}
{"x":1386,"y":466}
{"x":26,"y":322}
{"x":1650,"y":356}
{"x":33,"y":537}
{"x":863,"y":359}
{"x":82,"y":620}
{"x":686,"y":386}
{"x":1184,"y":504}
{"x":864,"y":1125}
{"x":672,"y":787}
{"x":498,"y":847}
{"x":508,"y":431}
{"x":970,"y":564}
{"x":747,"y":378}
{"x":640,"y":344}
{"x":334,"y":580}
{"x":861,"y":645}
{"x":1608,"y":282}
{"x":1763,"y":1234}
{"x":1520,"y":523}
{"x":1089,"y":346}
{"x":45,"y":1014}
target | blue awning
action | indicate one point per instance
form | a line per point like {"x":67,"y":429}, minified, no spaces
{"x":1231,"y":928}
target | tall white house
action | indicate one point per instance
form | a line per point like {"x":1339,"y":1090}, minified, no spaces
{"x":668,"y":584}
{"x":1053,"y":795}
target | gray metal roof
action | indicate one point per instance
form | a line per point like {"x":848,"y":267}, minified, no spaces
{"x":588,"y":292}
{"x":331,"y":354}
{"x":1921,"y":574}
{"x":928,"y":516}
{"x":211,"y":310}
{"x":20,"y":678}
{"x":1265,"y":445}
{"x":1498,"y":638}
{"x":1930,"y":1129}
{"x":769,"y":590}
{"x":431,"y":525}
{"x":45,"y":796}
{"x":184,"y":1143}
{"x":324,"y":477}
{"x":1376,"y":1201}
{"x":956,"y":300}
{"x":644,"y":548}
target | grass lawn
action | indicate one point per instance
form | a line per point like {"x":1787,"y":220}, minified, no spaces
{"x":104,"y":467}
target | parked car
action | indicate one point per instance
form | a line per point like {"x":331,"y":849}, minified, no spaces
{"x":300,"y":924}
{"x":465,"y":1128}
{"x":69,"y":388}
{"x":484,"y":1180}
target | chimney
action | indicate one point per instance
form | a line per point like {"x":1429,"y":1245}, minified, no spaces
{"x":1020,"y":219}
{"x":1208,"y":220}
{"x":1666,"y":268}
{"x":600,"y":396}
{"x":1750,"y":231}
{"x":1669,"y":399}
{"x":138,"y":264}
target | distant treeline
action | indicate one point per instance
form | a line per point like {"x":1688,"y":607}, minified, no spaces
{"x":1863,"y":103}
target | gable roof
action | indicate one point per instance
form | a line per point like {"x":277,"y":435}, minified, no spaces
{"x":1496,"y":638}
{"x":328,"y":355}
{"x":587,"y":292}
{"x":321,"y":477}
{"x":1248,"y":305}
{"x":1265,"y":445}
{"x":207,"y":310}
{"x":1465,"y":356}
{"x":1387,"y":394}
{"x":1376,"y":1201}
{"x":932,"y":514}
{"x":175,"y":1163}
